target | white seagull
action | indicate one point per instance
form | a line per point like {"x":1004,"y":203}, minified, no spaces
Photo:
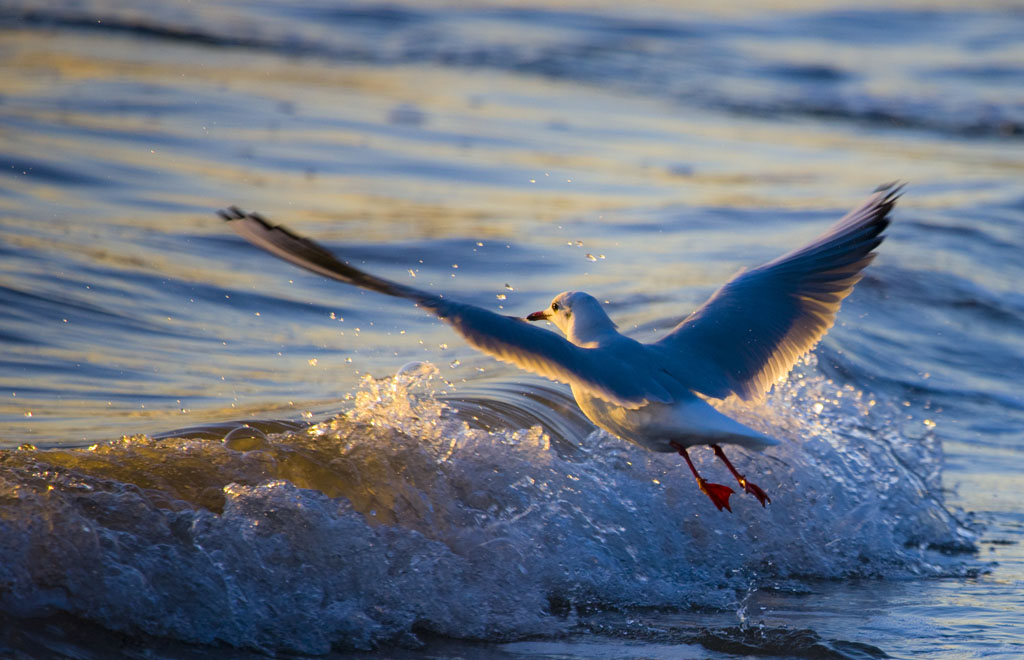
{"x":747,"y":336}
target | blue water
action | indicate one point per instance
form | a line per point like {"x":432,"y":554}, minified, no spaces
{"x":397,"y":494}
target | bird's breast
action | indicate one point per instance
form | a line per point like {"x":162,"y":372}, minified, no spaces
{"x":687,"y":421}
{"x":645,"y":426}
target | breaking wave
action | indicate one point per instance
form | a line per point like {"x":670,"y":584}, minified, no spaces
{"x":416,"y":511}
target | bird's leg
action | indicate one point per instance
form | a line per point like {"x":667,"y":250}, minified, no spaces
{"x":751,"y":488}
{"x":717,"y":493}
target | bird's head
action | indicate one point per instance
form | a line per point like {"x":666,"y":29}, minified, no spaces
{"x":579,"y":315}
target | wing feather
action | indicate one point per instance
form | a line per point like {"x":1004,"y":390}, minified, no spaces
{"x":506,"y":338}
{"x":752,"y":331}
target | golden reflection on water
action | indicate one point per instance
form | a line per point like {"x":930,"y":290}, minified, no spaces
{"x":152,"y":318}
{"x":161,"y":135}
{"x":654,"y":154}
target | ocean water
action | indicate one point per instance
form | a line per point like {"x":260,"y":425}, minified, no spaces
{"x":207,"y":453}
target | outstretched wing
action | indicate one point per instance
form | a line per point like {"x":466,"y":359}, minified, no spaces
{"x":506,"y":338}
{"x":752,"y":331}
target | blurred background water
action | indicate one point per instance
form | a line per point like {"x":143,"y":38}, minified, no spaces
{"x":499,"y":152}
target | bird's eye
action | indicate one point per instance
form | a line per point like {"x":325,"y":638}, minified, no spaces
{"x":554,"y":307}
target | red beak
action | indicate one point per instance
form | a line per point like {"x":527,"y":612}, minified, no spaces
{"x":538,"y":316}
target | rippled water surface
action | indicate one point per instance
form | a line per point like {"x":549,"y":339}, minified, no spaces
{"x":397,"y":494}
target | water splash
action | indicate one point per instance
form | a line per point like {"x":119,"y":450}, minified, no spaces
{"x":399,"y":515}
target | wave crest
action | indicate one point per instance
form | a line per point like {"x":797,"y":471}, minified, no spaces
{"x":400,"y":516}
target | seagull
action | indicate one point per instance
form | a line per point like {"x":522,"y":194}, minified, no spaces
{"x":739,"y":343}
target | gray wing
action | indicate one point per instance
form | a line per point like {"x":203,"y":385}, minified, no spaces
{"x":506,"y":338}
{"x":752,"y":331}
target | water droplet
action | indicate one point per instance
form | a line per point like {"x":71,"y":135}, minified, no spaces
{"x":818,"y":407}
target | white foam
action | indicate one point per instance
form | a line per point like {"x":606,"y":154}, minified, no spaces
{"x":398,"y":516}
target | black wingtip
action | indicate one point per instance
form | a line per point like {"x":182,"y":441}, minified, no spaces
{"x":893,"y":190}
{"x":231,"y":213}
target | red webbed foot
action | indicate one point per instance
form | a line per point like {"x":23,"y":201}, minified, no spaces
{"x":756,"y":491}
{"x":748,"y":487}
{"x":717,"y":493}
